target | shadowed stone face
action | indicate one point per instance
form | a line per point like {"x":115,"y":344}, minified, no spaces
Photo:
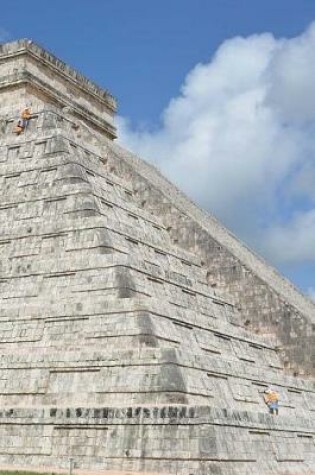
{"x":135,"y":332}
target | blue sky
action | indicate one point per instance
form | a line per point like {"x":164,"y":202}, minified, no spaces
{"x":126,"y":45}
{"x":168,"y":60}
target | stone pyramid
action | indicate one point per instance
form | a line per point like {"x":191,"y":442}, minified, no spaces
{"x":136,"y":332}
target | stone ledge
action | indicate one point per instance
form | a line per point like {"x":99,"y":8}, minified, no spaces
{"x":159,"y":415}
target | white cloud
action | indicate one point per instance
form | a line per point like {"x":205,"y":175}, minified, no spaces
{"x":294,"y":241}
{"x":240,"y":140}
{"x":291,"y":78}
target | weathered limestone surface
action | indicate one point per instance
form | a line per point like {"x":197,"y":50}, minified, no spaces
{"x":136,"y":332}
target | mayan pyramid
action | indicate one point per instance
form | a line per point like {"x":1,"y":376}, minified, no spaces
{"x":136,"y":332}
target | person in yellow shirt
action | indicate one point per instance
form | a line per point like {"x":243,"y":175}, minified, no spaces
{"x":271,"y":398}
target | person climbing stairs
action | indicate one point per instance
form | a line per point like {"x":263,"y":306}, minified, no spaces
{"x":23,"y":121}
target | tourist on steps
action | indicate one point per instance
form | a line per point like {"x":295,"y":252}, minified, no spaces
{"x":23,"y":121}
{"x":271,"y":398}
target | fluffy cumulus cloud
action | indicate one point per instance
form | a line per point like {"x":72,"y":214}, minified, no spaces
{"x":240,"y":140}
{"x":294,"y":241}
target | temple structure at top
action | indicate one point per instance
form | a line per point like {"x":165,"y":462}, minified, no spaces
{"x":30,"y":76}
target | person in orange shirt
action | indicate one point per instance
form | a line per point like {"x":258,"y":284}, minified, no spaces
{"x":23,"y":121}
